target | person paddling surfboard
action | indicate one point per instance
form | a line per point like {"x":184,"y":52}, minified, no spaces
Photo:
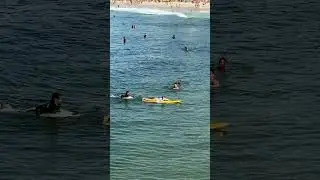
{"x":52,"y":107}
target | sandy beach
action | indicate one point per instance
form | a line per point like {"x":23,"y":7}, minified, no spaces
{"x":199,"y":6}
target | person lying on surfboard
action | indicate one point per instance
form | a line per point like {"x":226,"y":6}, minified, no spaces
{"x":51,"y":108}
{"x":125,"y":95}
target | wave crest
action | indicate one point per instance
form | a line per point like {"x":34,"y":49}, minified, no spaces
{"x":149,"y":11}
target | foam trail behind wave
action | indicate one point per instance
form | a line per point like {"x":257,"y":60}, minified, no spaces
{"x":149,"y":11}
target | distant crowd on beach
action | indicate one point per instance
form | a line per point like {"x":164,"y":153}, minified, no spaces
{"x":191,"y":5}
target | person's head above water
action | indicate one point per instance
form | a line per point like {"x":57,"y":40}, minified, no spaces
{"x":56,"y":98}
{"x":222,"y":61}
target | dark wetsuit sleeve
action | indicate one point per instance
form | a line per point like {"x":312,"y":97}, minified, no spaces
{"x":47,"y":108}
{"x":41,"y":109}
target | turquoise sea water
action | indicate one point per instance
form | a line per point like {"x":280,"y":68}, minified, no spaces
{"x":155,"y":141}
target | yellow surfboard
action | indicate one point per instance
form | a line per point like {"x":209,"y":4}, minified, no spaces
{"x":218,"y":126}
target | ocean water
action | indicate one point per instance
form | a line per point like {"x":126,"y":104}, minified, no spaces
{"x":270,"y":96}
{"x":46,"y":47}
{"x":155,"y":141}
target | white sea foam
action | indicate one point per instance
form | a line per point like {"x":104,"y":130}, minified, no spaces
{"x":149,"y":11}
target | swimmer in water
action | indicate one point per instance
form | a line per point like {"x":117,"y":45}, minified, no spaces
{"x":124,"y":40}
{"x":178,"y":82}
{"x":175,"y":86}
{"x":174,"y":36}
{"x":222,"y":64}
{"x":145,"y":35}
{"x":186,"y":48}
{"x":52,"y":107}
{"x":213,"y":80}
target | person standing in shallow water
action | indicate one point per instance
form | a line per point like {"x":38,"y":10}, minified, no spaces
{"x":124,"y":40}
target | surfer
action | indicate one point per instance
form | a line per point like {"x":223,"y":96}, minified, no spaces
{"x":52,"y":107}
{"x":222,"y":64}
{"x":124,"y":40}
{"x":186,"y":48}
{"x":174,"y":36}
{"x":125,"y":95}
{"x":145,"y":35}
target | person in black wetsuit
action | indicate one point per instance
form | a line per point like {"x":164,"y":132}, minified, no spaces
{"x":52,"y":107}
{"x":125,"y":95}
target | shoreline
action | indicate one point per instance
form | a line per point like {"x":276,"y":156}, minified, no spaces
{"x":180,"y":7}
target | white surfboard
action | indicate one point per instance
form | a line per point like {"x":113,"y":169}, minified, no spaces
{"x":127,"y":98}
